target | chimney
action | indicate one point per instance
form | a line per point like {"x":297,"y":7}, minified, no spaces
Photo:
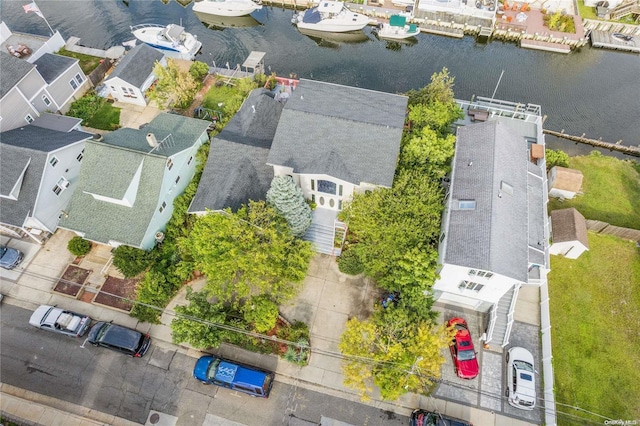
{"x":151,"y":140}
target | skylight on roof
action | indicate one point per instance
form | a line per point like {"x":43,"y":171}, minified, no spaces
{"x":467,"y":204}
{"x":506,"y":188}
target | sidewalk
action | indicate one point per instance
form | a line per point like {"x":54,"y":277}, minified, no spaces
{"x":328,"y":299}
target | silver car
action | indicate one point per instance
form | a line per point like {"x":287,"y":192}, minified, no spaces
{"x":521,"y":379}
{"x":60,"y":321}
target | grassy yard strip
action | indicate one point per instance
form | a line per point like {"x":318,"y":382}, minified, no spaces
{"x":217,"y":95}
{"x":87,"y":63}
{"x":611,"y":190}
{"x":106,"y":118}
{"x":595,"y":313}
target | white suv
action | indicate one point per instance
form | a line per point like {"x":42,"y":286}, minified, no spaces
{"x":521,"y":379}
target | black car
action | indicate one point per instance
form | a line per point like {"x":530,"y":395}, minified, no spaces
{"x":429,"y":418}
{"x":123,"y":339}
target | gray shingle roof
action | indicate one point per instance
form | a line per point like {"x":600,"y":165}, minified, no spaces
{"x":61,"y":123}
{"x":137,"y":65}
{"x":108,"y":171}
{"x":236,"y":169}
{"x":51,"y":66}
{"x":184,"y":132}
{"x":350,"y":133}
{"x":569,"y":225}
{"x":494,"y":235}
{"x":22,"y":146}
{"x":13,"y":70}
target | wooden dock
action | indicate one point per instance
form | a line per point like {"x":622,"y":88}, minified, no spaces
{"x":618,"y":147}
{"x":440,"y":30}
{"x":112,"y":53}
{"x":605,"y":39}
{"x":545,"y":45}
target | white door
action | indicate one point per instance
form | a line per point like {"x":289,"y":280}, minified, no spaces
{"x":326,"y":194}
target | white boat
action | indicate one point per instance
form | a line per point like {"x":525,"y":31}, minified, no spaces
{"x":217,"y":22}
{"x":171,"y":39}
{"x":226,"y":7}
{"x":397,"y":28}
{"x":332,"y":16}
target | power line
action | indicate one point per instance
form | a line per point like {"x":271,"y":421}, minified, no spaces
{"x":332,"y":354}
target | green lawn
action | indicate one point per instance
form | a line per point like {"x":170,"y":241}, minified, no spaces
{"x":218,"y":95}
{"x":87,"y":63}
{"x":586,"y":12}
{"x":611,"y":190}
{"x":595,"y":313}
{"x":107,"y":117}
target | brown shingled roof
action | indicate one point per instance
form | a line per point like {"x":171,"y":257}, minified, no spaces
{"x":568,"y":179}
{"x":569,"y":225}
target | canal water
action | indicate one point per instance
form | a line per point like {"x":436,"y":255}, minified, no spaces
{"x":590,"y":91}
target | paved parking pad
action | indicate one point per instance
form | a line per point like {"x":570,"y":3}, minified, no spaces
{"x":491,"y":378}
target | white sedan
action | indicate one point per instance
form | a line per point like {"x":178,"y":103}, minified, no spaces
{"x":55,"y":319}
{"x":521,"y":379}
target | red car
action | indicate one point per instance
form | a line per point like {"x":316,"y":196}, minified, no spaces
{"x":462,"y":351}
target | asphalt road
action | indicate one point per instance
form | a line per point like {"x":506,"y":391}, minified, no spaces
{"x":107,"y":381}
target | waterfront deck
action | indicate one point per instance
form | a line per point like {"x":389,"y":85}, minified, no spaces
{"x":545,"y":45}
{"x":605,"y":39}
{"x":111,"y":53}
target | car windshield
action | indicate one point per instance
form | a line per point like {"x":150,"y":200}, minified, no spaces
{"x":2,"y":251}
{"x":521,"y":365}
{"x":213,"y":367}
{"x":102,"y":331}
{"x":466,"y":355}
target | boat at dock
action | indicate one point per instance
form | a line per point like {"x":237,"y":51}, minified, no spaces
{"x":335,"y":40}
{"x":396,"y":29}
{"x":331,"y":16}
{"x":171,"y":39}
{"x":226,"y":7}
{"x":217,"y":22}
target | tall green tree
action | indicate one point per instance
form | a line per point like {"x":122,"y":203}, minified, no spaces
{"x":428,"y":151}
{"x":195,"y":322}
{"x":556,"y":158}
{"x":247,"y":253}
{"x":394,"y":352}
{"x":287,"y":199}
{"x":174,"y":83}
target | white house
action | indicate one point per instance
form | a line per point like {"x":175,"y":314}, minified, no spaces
{"x":36,"y":45}
{"x":564,"y":182}
{"x":569,"y":233}
{"x":40,"y":165}
{"x":335,"y":141}
{"x":129,"y":180}
{"x":133,"y":75}
{"x":495,"y":229}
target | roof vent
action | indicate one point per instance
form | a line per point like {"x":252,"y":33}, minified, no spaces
{"x":151,"y":140}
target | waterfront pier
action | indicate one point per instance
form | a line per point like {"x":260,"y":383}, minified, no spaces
{"x":618,"y":147}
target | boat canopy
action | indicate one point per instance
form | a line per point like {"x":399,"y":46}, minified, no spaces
{"x":312,"y":16}
{"x":173,"y":32}
{"x":331,"y":6}
{"x":397,"y":21}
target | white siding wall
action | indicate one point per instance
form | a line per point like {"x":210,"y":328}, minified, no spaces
{"x":451,"y":276}
{"x":118,"y":88}
{"x":561,"y":193}
{"x":568,"y":249}
{"x":48,"y":205}
{"x":170,"y":189}
{"x":31,"y":84}
{"x":13,"y":109}
{"x":62,"y":90}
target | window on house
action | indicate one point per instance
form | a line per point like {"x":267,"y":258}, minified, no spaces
{"x":46,"y":100}
{"x":113,"y":89}
{"x":169,"y":163}
{"x":162,"y":207}
{"x":53,"y":161}
{"x":340,"y":190}
{"x":470,"y":285}
{"x":467,"y":204}
{"x":442,"y":237}
{"x":313,"y":197}
{"x":177,"y":180}
{"x":80,"y":156}
{"x":339,"y":204}
{"x":313,"y":185}
{"x":327,"y":187}
{"x":190,"y":160}
{"x":485,"y":274}
{"x":28,"y":118}
{"x":79,"y":78}
{"x":61,"y":185}
{"x":73,"y":84}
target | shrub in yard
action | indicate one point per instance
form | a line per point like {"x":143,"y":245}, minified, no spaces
{"x":556,"y":158}
{"x":261,"y":312}
{"x":198,"y":70}
{"x":131,"y":261}
{"x":78,"y":246}
{"x":349,"y":263}
{"x":286,"y":197}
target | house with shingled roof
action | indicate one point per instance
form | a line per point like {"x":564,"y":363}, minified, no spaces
{"x":236,"y":170}
{"x":40,"y":165}
{"x":569,"y":233}
{"x":564,"y":182}
{"x":495,"y":231}
{"x":51,"y":83}
{"x":131,"y":177}
{"x":335,"y":141}
{"x":134,"y":75}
